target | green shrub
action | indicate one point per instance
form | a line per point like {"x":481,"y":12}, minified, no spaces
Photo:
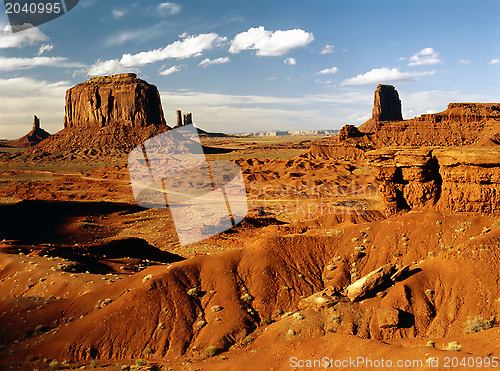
{"x":267,"y":321}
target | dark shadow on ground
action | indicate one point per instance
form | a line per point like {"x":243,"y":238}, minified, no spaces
{"x":117,"y":256}
{"x":36,"y":221}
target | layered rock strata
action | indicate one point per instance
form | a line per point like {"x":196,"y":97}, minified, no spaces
{"x":458,"y":180}
{"x":117,"y":99}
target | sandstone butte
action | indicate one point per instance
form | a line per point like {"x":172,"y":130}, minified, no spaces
{"x":104,"y":116}
{"x":113,"y":100}
{"x":447,"y":160}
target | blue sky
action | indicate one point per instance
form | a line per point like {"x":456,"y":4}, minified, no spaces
{"x":259,"y":65}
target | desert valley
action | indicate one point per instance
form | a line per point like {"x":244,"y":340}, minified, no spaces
{"x":377,"y":248}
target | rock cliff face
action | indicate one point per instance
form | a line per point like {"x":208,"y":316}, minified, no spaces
{"x":461,"y":124}
{"x":117,"y":99}
{"x":458,"y":180}
{"x":386,"y":107}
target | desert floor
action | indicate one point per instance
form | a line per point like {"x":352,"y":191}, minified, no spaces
{"x":90,"y":279}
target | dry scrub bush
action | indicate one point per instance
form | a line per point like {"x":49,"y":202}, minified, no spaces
{"x":211,"y":351}
{"x":476,"y":324}
{"x":453,"y":346}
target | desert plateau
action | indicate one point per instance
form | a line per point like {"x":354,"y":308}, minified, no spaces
{"x":375,"y":248}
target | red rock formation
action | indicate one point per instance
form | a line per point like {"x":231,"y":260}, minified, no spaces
{"x":117,"y":99}
{"x":459,"y":180}
{"x":188,"y":119}
{"x":386,"y":107}
{"x":179,"y":118}
{"x":105,"y":116}
{"x":35,"y":136}
{"x":461,"y":123}
{"x":349,"y":131}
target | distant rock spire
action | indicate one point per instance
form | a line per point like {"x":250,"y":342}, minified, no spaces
{"x":386,"y":104}
{"x":36,"y":123}
{"x":386,"y":107}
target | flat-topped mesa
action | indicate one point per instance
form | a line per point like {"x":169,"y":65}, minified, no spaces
{"x":120,"y":99}
{"x":464,"y":113}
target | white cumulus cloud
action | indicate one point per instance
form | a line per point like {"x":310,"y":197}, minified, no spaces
{"x":328,"y":71}
{"x":290,"y":61}
{"x":45,"y":48}
{"x":109,"y":67}
{"x":118,"y":13}
{"x":207,"y":62}
{"x":328,"y":49}
{"x":383,"y":75}
{"x":270,"y":43}
{"x":192,"y":46}
{"x":171,"y":70}
{"x":31,"y":36}
{"x":495,"y":61}
{"x":165,"y":9}
{"x":424,"y":57}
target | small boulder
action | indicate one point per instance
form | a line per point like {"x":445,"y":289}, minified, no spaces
{"x":369,"y":283}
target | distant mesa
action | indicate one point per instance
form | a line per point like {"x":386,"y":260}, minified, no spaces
{"x":278,"y":133}
{"x":107,"y":116}
{"x":35,"y":136}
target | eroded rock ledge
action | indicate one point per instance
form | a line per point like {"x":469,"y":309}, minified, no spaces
{"x":460,"y":180}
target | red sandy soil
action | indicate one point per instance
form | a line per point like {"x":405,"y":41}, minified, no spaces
{"x":87,"y":278}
